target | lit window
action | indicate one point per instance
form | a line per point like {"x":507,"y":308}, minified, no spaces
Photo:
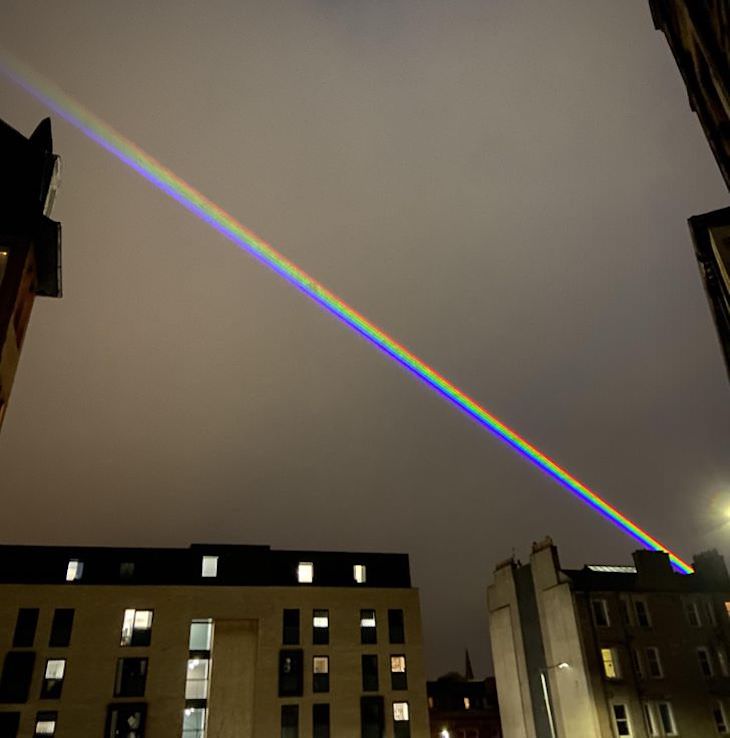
{"x":430,"y":703}
{"x":53,"y":679}
{"x":305,"y":572}
{"x":136,"y":628}
{"x":320,"y":674}
{"x":126,"y":720}
{"x":359,"y":573}
{"x":600,"y":613}
{"x":3,"y":263}
{"x":666,"y":717}
{"x":642,"y":613}
{"x":621,"y":720}
{"x":320,"y":627}
{"x":467,"y":703}
{"x":400,"y":712}
{"x":654,"y":663}
{"x":693,"y":614}
{"x":652,"y":727}
{"x":368,"y":631}
{"x":201,"y":635}
{"x":609,"y":656}
{"x":727,"y":609}
{"x":196,"y":682}
{"x":398,"y":673}
{"x":74,"y":570}
{"x":703,"y":656}
{"x":718,"y":712}
{"x":194,"y":721}
{"x":45,"y":723}
{"x":210,"y":566}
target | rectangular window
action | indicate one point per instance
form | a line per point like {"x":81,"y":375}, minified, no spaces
{"x":637,"y":663}
{"x":693,"y":614}
{"x":609,"y":656}
{"x":196,"y":682}
{"x":291,"y":666}
{"x":621,"y":720}
{"x":398,"y":675}
{"x":727,"y":609}
{"x":642,"y":613}
{"x":722,"y":660}
{"x":3,"y":264}
{"x":600,"y":613}
{"x":126,"y":569}
{"x":25,"y":627}
{"x":53,"y":679}
{"x":320,"y":721}
{"x":369,"y":664}
{"x":136,"y":628}
{"x":74,"y":570}
{"x":396,"y":628}
{"x":710,"y":612}
{"x":209,"y":566}
{"x":654,"y":663}
{"x":625,"y":612}
{"x":321,"y":674}
{"x":201,"y":635}
{"x":195,"y":721}
{"x":718,"y":713}
{"x":63,"y":620}
{"x":372,"y":717}
{"x":45,"y":723}
{"x":368,"y":629}
{"x":401,"y":720}
{"x":703,"y":657}
{"x":652,"y":727}
{"x":305,"y":572}
{"x":126,"y":721}
{"x":359,"y":573}
{"x":9,"y":722}
{"x":290,"y":629}
{"x":320,"y":627}
{"x":666,"y":718}
{"x":131,"y":678}
{"x":16,"y":675}
{"x":290,"y":721}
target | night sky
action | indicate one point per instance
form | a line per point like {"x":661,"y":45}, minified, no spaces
{"x":503,"y":186}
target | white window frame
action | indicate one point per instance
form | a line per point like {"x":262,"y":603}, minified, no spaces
{"x":658,"y":661}
{"x":704,"y":651}
{"x":626,"y":719}
{"x":670,"y":713}
{"x":647,"y":612}
{"x":197,"y":689}
{"x":721,"y":708}
{"x":650,"y":719}
{"x":130,"y":624}
{"x":209,"y":567}
{"x":305,"y":572}
{"x":603,"y":606}
{"x":693,"y":614}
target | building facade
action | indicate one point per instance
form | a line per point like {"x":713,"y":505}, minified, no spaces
{"x":216,"y":641}
{"x":698,"y":34}
{"x":611,"y":651}
{"x":463,"y":708}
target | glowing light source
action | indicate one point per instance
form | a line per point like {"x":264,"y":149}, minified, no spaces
{"x":194,"y":201}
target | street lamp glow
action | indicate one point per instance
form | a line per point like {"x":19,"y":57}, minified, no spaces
{"x":444,"y":733}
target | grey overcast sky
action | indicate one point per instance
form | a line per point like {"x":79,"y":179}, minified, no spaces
{"x":504,"y":186}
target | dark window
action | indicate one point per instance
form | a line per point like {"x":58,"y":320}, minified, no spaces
{"x":9,"y":722}
{"x":368,"y":627}
{"x":291,"y":665}
{"x":398,"y":675}
{"x":321,"y":674}
{"x":45,"y":723}
{"x":126,"y":570}
{"x":290,"y":721}
{"x":63,"y":621}
{"x":320,"y":627}
{"x":321,"y":721}
{"x":16,"y":675}
{"x":126,"y":721}
{"x":372,"y":717}
{"x":396,"y":629}
{"x":290,"y":635}
{"x":25,"y":627}
{"x":642,"y":614}
{"x":369,"y":673}
{"x":53,"y":678}
{"x":131,"y":678}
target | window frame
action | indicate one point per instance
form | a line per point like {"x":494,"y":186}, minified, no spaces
{"x":52,"y":687}
{"x":602,"y":606}
{"x":670,"y":713}
{"x":134,"y":639}
{"x":654,"y":650}
{"x":626,"y":719}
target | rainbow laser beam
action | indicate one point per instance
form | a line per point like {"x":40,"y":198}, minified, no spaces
{"x":129,"y":153}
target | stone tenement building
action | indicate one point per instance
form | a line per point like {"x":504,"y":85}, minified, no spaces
{"x":609,"y":651}
{"x":221,"y":641}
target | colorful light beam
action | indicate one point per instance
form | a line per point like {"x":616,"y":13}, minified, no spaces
{"x":122,"y":148}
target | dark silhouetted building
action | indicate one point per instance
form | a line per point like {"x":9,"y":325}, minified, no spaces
{"x":30,"y":242}
{"x":698,"y":33}
{"x":462,"y":708}
{"x":609,"y":651}
{"x":218,"y":641}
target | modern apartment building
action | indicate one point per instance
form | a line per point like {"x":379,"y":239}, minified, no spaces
{"x":611,"y":651}
{"x":216,"y":641}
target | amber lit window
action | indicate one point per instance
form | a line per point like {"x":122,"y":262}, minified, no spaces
{"x":610,"y":663}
